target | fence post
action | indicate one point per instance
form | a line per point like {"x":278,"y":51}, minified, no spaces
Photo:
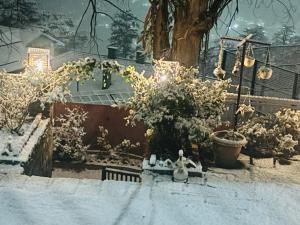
{"x":103,"y":173}
{"x":295,"y":87}
{"x":252,"y":89}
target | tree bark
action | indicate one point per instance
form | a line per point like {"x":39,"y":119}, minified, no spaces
{"x":191,"y":23}
{"x":161,"y":43}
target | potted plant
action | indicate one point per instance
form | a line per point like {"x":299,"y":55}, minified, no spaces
{"x":177,"y":108}
{"x":227,"y":147}
{"x":219,"y":72}
{"x":264,"y":72}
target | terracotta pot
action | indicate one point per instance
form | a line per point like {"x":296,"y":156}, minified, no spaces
{"x":227,"y":151}
{"x":249,"y":61}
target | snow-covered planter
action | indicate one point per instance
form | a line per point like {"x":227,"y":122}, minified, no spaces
{"x":219,"y":73}
{"x":272,"y":134}
{"x":249,"y":61}
{"x":264,"y":73}
{"x":227,"y":147}
{"x":31,"y":153}
{"x":178,"y":108}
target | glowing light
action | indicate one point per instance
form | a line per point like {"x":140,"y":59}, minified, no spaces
{"x":39,"y":66}
{"x":38,"y":59}
{"x":163,"y":78}
{"x":235,"y":26}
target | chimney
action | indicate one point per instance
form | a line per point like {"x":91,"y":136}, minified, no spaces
{"x":140,"y":57}
{"x":112,"y":52}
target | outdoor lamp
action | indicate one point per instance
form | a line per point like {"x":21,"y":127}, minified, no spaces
{"x":167,"y":70}
{"x":38,"y":59}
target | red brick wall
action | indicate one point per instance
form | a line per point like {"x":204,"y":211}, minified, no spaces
{"x":111,"y":118}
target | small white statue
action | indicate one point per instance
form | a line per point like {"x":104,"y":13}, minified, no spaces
{"x":180,"y":173}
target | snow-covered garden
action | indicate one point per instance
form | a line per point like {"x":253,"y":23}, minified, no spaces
{"x":191,"y":119}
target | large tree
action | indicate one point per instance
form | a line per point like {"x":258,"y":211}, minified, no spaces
{"x":174,"y":29}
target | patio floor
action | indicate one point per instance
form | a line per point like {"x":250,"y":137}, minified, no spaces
{"x":37,"y":200}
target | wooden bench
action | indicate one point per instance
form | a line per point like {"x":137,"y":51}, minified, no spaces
{"x":120,"y":175}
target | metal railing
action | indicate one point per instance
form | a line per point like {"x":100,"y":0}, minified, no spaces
{"x":120,"y":175}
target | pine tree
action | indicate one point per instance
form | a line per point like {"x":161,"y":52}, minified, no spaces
{"x":284,"y":36}
{"x":258,"y":32}
{"x":124,"y":31}
{"x":18,"y":13}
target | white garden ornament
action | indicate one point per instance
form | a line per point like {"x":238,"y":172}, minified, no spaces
{"x":180,"y":173}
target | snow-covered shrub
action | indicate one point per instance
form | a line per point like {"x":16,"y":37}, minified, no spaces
{"x":114,"y":152}
{"x":278,"y":133}
{"x":17,"y":92}
{"x":179,"y":108}
{"x":68,"y":143}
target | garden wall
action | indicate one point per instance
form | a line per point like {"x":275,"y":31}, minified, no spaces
{"x":36,"y":156}
{"x":110,"y":117}
{"x":33,"y":150}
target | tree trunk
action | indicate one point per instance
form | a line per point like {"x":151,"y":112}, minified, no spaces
{"x":161,"y":44}
{"x":191,"y":23}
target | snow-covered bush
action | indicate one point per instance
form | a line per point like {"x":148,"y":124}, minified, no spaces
{"x":179,"y":108}
{"x":68,"y":143}
{"x":115,"y":152}
{"x":278,"y":133}
{"x":17,"y":92}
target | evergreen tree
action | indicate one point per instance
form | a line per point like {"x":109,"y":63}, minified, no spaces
{"x":258,"y":32}
{"x":124,"y":32}
{"x":295,"y":39}
{"x":18,"y":13}
{"x":284,"y":36}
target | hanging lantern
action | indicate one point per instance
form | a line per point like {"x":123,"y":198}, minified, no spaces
{"x":237,"y":64}
{"x":218,"y":71}
{"x":265,"y":72}
{"x":249,"y":57}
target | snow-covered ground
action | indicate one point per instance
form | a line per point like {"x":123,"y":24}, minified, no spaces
{"x":42,"y":201}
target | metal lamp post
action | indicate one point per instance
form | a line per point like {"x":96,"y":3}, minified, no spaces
{"x":243,"y":42}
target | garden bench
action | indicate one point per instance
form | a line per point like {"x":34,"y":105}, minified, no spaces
{"x":120,"y":175}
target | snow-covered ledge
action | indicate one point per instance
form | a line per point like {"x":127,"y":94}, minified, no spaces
{"x":30,"y":153}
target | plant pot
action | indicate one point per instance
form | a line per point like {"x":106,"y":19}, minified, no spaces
{"x":219,"y":72}
{"x":249,"y":61}
{"x":227,"y":151}
{"x":264,"y":73}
